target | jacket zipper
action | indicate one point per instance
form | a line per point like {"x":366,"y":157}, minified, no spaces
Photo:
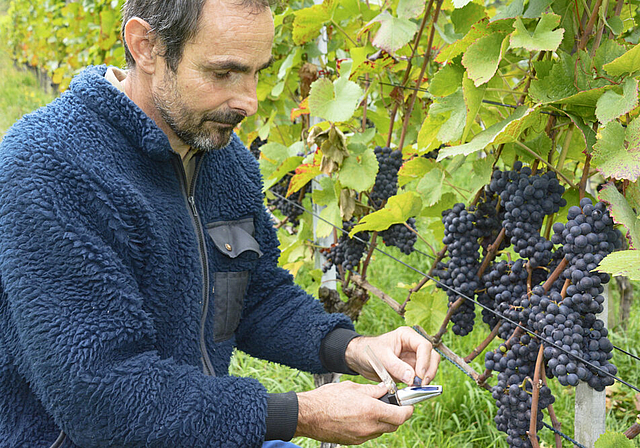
{"x":188,"y":192}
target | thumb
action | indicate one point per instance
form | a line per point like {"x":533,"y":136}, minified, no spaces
{"x":375,"y":390}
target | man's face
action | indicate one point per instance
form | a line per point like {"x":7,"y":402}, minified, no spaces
{"x":214,"y":86}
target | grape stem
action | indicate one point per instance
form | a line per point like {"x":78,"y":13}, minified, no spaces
{"x":452,"y":309}
{"x":555,"y":274}
{"x":567,"y":282}
{"x":554,"y":419}
{"x":479,"y":379}
{"x":407,"y":72}
{"x":537,"y":383}
{"x":633,"y":431}
{"x":372,"y":247}
{"x":439,"y":256}
{"x":493,"y":250}
{"x":479,"y":349}
{"x":589,"y":29}
{"x":551,"y":167}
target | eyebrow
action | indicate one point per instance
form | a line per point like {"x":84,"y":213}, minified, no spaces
{"x":237,"y":66}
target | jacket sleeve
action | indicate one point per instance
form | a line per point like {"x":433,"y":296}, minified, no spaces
{"x":281,"y":322}
{"x":82,"y":339}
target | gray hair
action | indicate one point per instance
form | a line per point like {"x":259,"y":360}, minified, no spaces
{"x":174,"y":22}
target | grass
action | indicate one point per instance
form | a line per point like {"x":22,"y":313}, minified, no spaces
{"x":463,"y":416}
{"x":19,"y":92}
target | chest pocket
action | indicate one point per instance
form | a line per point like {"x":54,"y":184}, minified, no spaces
{"x":236,"y":253}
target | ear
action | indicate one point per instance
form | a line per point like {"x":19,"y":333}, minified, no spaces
{"x":141,"y":42}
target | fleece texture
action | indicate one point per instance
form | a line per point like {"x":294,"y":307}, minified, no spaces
{"x":101,"y":283}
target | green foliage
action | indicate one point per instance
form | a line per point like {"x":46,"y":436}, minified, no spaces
{"x":613,"y":440}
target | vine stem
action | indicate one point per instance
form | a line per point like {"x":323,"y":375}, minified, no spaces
{"x":493,"y":250}
{"x":412,"y":230}
{"x":563,"y":293}
{"x":554,"y":419}
{"x":407,"y":72}
{"x":633,"y":431}
{"x":479,"y":379}
{"x":423,"y":281}
{"x":555,"y":274}
{"x":616,"y":12}
{"x":534,"y":400}
{"x":425,"y":63}
{"x":360,"y":281}
{"x":551,"y":167}
{"x":480,"y":348}
{"x":372,"y":247}
{"x":585,"y":175}
{"x":452,"y":309}
{"x":589,"y":29}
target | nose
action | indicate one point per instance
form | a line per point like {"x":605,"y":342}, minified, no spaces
{"x":245,"y":101}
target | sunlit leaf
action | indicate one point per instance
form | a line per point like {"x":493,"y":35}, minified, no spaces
{"x":394,"y":32}
{"x":334,"y":101}
{"x":309,"y":21}
{"x":408,"y":9}
{"x":628,"y":63}
{"x":543,"y":38}
{"x":613,"y":440}
{"x":483,"y":57}
{"x":624,"y":262}
{"x":427,"y":308}
{"x":612,"y":105}
{"x":359,"y":169}
{"x":447,"y":80}
{"x":397,"y":210}
{"x":617,"y":152}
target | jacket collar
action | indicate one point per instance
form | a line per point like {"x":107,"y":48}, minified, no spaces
{"x":122,"y":113}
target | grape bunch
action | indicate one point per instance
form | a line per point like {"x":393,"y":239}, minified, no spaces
{"x":459,"y":274}
{"x":513,"y":392}
{"x":386,"y":183}
{"x":400,"y":236}
{"x":347,"y":252}
{"x":287,"y":208}
{"x":570,"y":322}
{"x":255,"y":146}
{"x":488,"y":220}
{"x":527,"y":199}
{"x":506,"y":287}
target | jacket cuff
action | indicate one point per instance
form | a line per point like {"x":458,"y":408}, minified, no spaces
{"x":333,"y":348}
{"x":282,"y":416}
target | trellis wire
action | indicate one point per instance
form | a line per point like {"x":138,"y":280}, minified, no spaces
{"x":560,"y":433}
{"x":462,"y":295}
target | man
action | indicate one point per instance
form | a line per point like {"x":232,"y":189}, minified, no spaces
{"x":136,"y":254}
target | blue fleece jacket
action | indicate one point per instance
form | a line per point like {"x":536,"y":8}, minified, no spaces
{"x":124,"y":291}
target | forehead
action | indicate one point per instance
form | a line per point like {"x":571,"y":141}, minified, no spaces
{"x":229,"y":30}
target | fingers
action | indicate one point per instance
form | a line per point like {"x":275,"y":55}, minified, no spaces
{"x":417,"y":351}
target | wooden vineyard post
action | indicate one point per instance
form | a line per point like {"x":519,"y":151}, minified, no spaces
{"x":590,"y":409}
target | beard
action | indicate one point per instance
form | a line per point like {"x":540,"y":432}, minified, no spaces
{"x":201,"y":131}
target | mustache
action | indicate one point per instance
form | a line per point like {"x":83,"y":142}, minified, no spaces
{"x":228,"y":117}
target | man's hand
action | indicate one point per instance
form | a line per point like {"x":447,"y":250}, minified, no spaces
{"x":348,"y":413}
{"x":403,"y":352}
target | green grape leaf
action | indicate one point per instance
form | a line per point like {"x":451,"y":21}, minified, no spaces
{"x":332,"y":214}
{"x":483,"y":57}
{"x":512,"y":10}
{"x":408,"y":9}
{"x":334,"y":101}
{"x":608,"y":51}
{"x":447,"y":80}
{"x":397,"y":210}
{"x":617,"y":152}
{"x":543,"y":38}
{"x":427,"y":308}
{"x":394,"y":32}
{"x":622,"y":212}
{"x":482,"y":171}
{"x":359,"y":170}
{"x":454,"y":106}
{"x":464,"y":18}
{"x":430,"y":186}
{"x":614,"y":439}
{"x":612,"y":105}
{"x":627,"y":263}
{"x":626,"y":64}
{"x":505,"y":131}
{"x":473,"y":97}
{"x":588,"y":134}
{"x":326,"y":194}
{"x":569,"y":81}
{"x":414,"y":169}
{"x":480,"y":29}
{"x":309,"y":21}
{"x":536,"y":8}
{"x":427,"y":137}
{"x":541,"y":145}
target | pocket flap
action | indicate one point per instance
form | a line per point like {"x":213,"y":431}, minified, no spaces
{"x":234,"y":237}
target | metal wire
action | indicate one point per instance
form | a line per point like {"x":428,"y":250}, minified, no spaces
{"x":627,"y":353}
{"x":561,"y":434}
{"x":504,"y":318}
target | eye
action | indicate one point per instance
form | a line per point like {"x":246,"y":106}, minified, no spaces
{"x":222,"y":75}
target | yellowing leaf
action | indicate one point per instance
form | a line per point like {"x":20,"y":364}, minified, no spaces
{"x":309,"y":21}
{"x":397,"y":210}
{"x":628,"y":63}
{"x":617,"y":152}
{"x":394,"y":32}
{"x":624,"y":262}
